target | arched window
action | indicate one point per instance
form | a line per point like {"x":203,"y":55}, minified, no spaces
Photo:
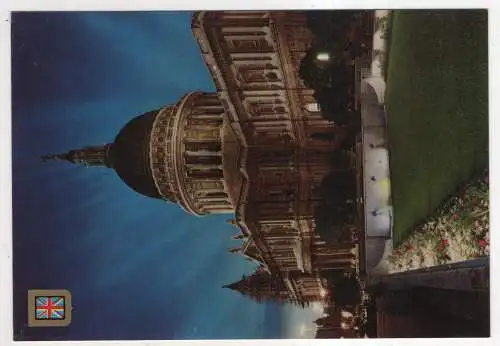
{"x":272,"y":76}
{"x":312,"y":107}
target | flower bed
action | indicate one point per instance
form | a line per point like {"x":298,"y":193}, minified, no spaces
{"x":459,"y":231}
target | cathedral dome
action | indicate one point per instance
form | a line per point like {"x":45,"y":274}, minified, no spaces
{"x":129,"y":154}
{"x":186,"y":153}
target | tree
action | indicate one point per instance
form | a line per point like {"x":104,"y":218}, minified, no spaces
{"x":328,"y":225}
{"x":307,"y":70}
{"x":347,"y":291}
{"x":340,"y":159}
{"x":333,"y":104}
{"x":347,"y":135}
{"x":334,"y":276}
{"x":313,"y":74}
{"x":327,"y":23}
{"x":336,"y":96}
{"x":319,"y":23}
{"x":333,"y":225}
{"x":332,"y":82}
{"x":337,"y":187}
{"x":334,"y":215}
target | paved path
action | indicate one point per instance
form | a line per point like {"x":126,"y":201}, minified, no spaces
{"x":376,"y":176}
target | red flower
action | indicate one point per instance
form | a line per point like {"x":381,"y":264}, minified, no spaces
{"x":445,"y":242}
{"x":483,"y":243}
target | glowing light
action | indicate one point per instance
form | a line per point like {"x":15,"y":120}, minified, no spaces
{"x":302,"y":329}
{"x":317,"y":308}
{"x":346,"y":314}
{"x":323,"y":57}
{"x":384,"y":187}
{"x":323,"y":293}
{"x":313,"y":107}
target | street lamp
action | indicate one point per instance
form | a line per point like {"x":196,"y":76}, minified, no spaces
{"x":323,"y":56}
{"x":323,"y":293}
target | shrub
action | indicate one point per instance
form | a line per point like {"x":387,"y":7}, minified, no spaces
{"x":347,"y":291}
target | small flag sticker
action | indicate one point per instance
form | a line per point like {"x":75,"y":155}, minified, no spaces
{"x":49,"y":308}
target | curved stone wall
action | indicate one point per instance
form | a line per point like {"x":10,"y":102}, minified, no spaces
{"x":188,"y":154}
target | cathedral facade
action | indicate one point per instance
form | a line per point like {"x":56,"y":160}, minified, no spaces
{"x":245,"y":150}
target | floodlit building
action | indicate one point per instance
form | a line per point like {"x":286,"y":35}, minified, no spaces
{"x":245,"y":150}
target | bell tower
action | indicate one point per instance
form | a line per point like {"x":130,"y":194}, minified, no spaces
{"x":262,"y":286}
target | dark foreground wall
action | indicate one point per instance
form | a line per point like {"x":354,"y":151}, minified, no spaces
{"x":424,"y":312}
{"x":444,"y":301}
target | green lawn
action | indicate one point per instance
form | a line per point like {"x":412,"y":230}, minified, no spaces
{"x":437,"y":99}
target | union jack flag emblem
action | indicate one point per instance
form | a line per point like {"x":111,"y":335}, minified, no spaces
{"x":49,"y":308}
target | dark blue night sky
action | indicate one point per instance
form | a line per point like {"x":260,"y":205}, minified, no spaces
{"x":137,"y":268}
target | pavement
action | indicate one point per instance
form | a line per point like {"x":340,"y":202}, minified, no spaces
{"x":378,"y":212}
